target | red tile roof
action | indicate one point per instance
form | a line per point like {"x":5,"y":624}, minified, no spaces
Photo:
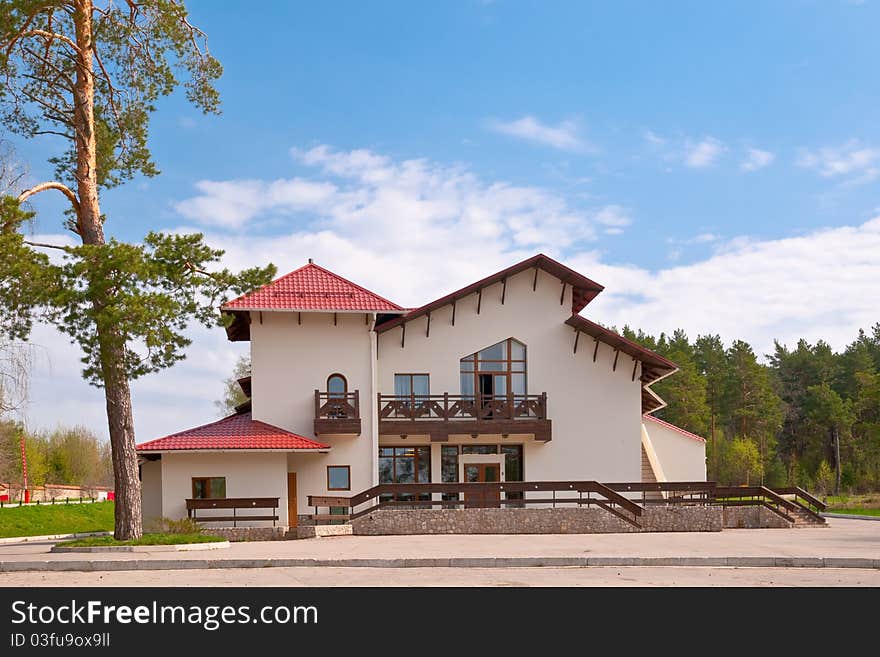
{"x":674,"y":428}
{"x":234,"y":432}
{"x":312,"y":287}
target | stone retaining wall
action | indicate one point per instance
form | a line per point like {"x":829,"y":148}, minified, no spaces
{"x":239,"y":534}
{"x":752,"y":517}
{"x":536,"y":521}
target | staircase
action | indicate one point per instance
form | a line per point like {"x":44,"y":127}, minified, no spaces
{"x":805,"y":508}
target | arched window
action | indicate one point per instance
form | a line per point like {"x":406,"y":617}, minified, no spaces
{"x":337,"y":386}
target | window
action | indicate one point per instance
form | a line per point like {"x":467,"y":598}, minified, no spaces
{"x":495,"y":371}
{"x":479,"y":449}
{"x":411,"y":384}
{"x":338,"y":477}
{"x":337,"y":386}
{"x":405,"y":465}
{"x":204,"y":488}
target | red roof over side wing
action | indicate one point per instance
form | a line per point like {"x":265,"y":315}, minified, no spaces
{"x":674,"y":428}
{"x":239,"y":431}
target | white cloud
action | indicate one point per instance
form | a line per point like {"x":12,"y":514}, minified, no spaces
{"x":653,"y":138}
{"x":415,"y":230}
{"x":232,"y":204}
{"x":563,"y":136}
{"x":756,"y":159}
{"x":849,"y":159}
{"x":702,"y":154}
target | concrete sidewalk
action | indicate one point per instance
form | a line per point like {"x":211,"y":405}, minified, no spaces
{"x":844,"y":544}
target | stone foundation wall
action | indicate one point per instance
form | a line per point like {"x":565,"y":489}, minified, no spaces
{"x":239,"y":534}
{"x":752,"y":517}
{"x":535,"y":521}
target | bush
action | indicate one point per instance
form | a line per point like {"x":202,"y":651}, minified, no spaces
{"x":171,"y":526}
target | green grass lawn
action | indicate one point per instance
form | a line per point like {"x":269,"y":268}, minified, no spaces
{"x":146,"y":539}
{"x":56,"y":519}
{"x":857,"y":511}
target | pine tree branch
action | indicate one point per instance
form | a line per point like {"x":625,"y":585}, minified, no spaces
{"x":43,"y":245}
{"x":61,"y":187}
{"x":51,"y":36}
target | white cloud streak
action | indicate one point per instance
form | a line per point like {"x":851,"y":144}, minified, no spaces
{"x":756,"y":159}
{"x":563,"y":136}
{"x":849,"y":159}
{"x":704,"y":153}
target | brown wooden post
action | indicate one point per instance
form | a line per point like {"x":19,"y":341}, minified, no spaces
{"x":357,"y":404}
{"x":445,"y":405}
{"x":317,"y":403}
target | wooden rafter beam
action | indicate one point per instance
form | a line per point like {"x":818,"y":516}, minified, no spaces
{"x":428,"y":327}
{"x":479,"y":300}
{"x":535,"y":282}
{"x":402,"y":335}
{"x":616,"y":356}
{"x":562,"y":296}
{"x":503,"y":290}
{"x":595,"y":349}
{"x":635,"y":367}
{"x":577,"y":335}
{"x":453,"y":312}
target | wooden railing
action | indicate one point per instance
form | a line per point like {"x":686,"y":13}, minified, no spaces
{"x":669,"y":492}
{"x":234,"y":503}
{"x":462,"y":407}
{"x":756,"y":495}
{"x":478,"y":495}
{"x":806,"y":501}
{"x":337,"y":405}
{"x":337,"y":413}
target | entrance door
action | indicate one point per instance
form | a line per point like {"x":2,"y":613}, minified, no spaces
{"x":493,"y":388}
{"x":479,"y":473}
{"x":291,"y":499}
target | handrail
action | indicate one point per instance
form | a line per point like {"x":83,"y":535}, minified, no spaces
{"x":416,"y":407}
{"x":671,"y":492}
{"x":797,"y":491}
{"x":486,"y":494}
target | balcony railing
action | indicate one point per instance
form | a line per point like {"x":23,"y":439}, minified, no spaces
{"x":439,"y":416}
{"x":463,"y":407}
{"x":337,"y":413}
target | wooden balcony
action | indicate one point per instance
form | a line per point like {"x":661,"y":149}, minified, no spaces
{"x":442,"y":415}
{"x":337,"y":413}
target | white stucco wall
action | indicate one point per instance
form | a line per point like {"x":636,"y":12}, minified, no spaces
{"x":151,"y":490}
{"x":596,"y":412}
{"x":289,"y":361}
{"x":681,"y":457}
{"x":248,"y":474}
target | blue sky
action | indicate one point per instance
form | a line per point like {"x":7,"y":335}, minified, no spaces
{"x":715,"y":165}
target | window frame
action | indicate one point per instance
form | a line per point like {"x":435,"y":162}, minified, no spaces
{"x":474,"y":371}
{"x":208,"y":480}
{"x":411,"y":386}
{"x":344,"y":384}
{"x":348,"y":470}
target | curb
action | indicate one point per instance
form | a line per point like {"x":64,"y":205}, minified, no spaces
{"x":848,"y":516}
{"x":182,"y":547}
{"x":454,"y":562}
{"x":49,"y":537}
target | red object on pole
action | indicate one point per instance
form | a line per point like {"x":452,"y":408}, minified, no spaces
{"x":27,"y":493}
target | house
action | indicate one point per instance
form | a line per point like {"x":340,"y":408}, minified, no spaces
{"x":502,"y":380}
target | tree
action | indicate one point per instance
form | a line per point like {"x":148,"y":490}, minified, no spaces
{"x":90,"y":75}
{"x":744,"y":460}
{"x":685,"y":392}
{"x":233,"y":395}
{"x":711,"y":362}
{"x":753,"y":409}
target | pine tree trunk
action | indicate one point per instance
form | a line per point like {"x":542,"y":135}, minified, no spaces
{"x":837,"y":460}
{"x":117,"y":393}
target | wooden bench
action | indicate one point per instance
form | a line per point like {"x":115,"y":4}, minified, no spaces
{"x":234,"y":503}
